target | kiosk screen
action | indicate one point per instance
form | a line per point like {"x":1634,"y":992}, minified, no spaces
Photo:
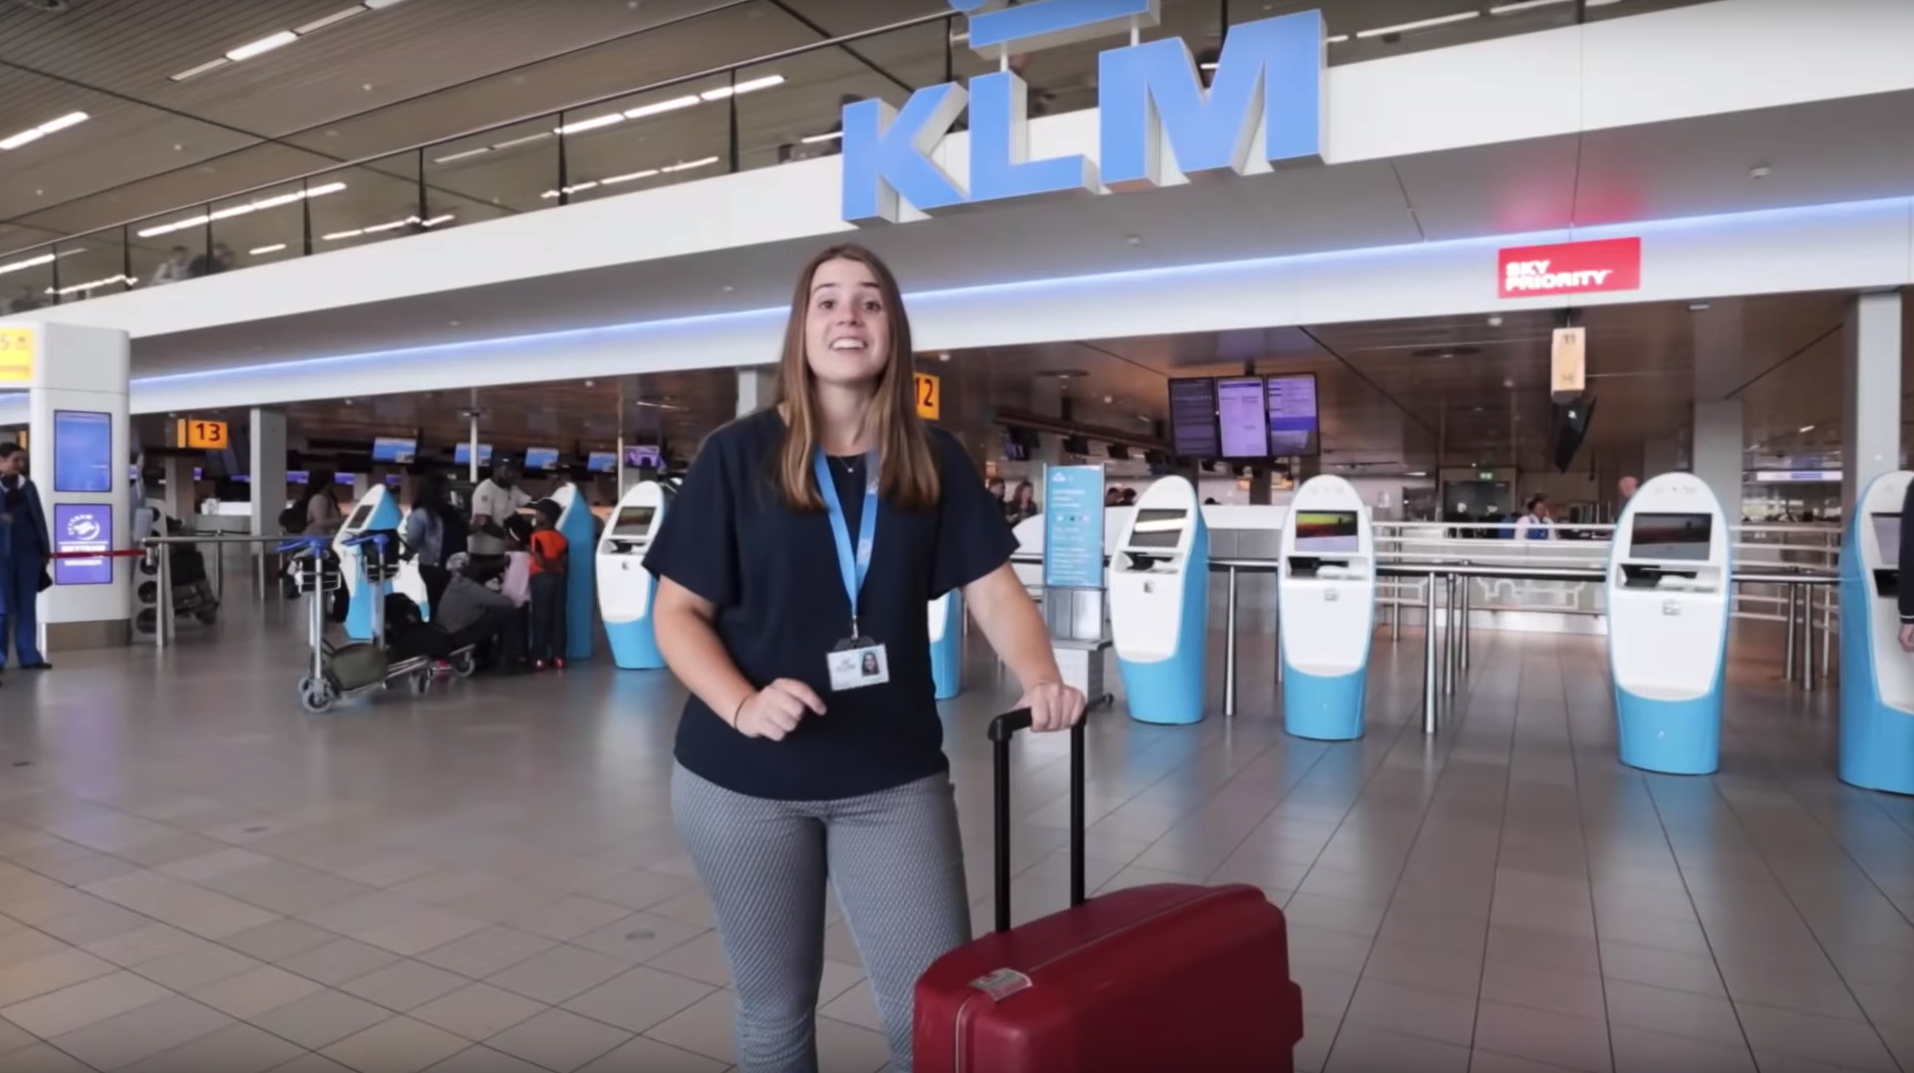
{"x":633,"y":522}
{"x":1681,"y":537}
{"x":1158,"y":528}
{"x":359,"y":517}
{"x":1319,"y":531}
{"x":1887,"y":537}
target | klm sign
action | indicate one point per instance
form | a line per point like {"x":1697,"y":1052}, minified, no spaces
{"x":1267,"y":89}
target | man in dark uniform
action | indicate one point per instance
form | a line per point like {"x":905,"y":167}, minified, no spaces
{"x":25,"y":552}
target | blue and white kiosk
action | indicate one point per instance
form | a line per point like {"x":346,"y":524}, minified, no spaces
{"x":1669,"y":592}
{"x":377,"y":510}
{"x":1325,"y":609}
{"x":579,"y":526}
{"x":1159,"y":604}
{"x":947,"y":644}
{"x":625,"y":588}
{"x":1877,"y":698}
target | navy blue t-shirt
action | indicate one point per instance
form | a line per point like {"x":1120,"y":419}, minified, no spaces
{"x":773,"y":574}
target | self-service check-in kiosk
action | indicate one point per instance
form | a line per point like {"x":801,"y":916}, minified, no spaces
{"x":1325,"y":608}
{"x":1669,"y":590}
{"x":625,"y":588}
{"x":1159,"y":604}
{"x":378,"y":510}
{"x":947,"y":644}
{"x":580,"y":529}
{"x":1877,"y":698}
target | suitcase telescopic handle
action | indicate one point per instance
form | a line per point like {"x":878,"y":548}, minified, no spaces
{"x":1002,"y":730}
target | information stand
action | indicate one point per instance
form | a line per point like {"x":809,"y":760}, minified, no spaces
{"x":625,"y":588}
{"x":1073,"y":576}
{"x":1877,"y":686}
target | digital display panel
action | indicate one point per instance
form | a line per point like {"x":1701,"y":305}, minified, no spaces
{"x":1158,"y":528}
{"x":1293,"y":415}
{"x":602,"y":461}
{"x":633,"y":521}
{"x":1887,"y":536}
{"x":541,"y":458}
{"x":1242,"y":418}
{"x":462,"y":454}
{"x":1193,"y":418}
{"x":1321,"y":531}
{"x":82,"y":529}
{"x":82,"y":451}
{"x":395,"y":450}
{"x":359,"y":517}
{"x":640,"y":455}
{"x":1680,"y":537}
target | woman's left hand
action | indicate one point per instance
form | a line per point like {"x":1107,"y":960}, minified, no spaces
{"x":1053,"y":706}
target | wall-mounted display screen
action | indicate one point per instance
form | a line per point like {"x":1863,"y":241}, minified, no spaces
{"x":538,"y":459}
{"x":1887,"y":537}
{"x":1193,"y":417}
{"x":1294,"y":422}
{"x":1242,"y":418}
{"x":1322,"y":531}
{"x":462,"y":454}
{"x":82,"y":530}
{"x":640,"y":455}
{"x":633,"y":522}
{"x":1682,"y":537}
{"x":293,"y":476}
{"x":345,"y":478}
{"x":395,"y":450}
{"x":82,"y":451}
{"x":1158,"y":528}
{"x":359,"y":517}
{"x":602,"y":461}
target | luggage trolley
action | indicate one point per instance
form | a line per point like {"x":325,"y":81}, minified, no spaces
{"x":344,"y":672}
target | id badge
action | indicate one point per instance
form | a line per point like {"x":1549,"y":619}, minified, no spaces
{"x":857,"y":663}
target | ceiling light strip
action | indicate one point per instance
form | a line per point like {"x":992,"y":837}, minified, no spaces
{"x":273,"y":42}
{"x":241,"y":210}
{"x":1419,"y":24}
{"x":51,"y":126}
{"x":592,"y":184}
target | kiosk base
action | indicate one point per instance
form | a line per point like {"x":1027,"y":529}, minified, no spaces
{"x":1671,"y":737}
{"x":1877,"y":746}
{"x":1322,"y":707}
{"x":359,"y":609}
{"x":634,"y":645}
{"x":1168,"y":692}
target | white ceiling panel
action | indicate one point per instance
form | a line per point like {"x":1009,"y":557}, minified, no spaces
{"x":1493,"y":190}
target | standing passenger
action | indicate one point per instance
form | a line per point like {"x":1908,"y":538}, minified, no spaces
{"x":26,"y":551}
{"x":811,"y":746}
{"x":550,"y":587}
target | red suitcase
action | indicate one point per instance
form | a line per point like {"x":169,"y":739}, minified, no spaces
{"x":1158,"y":979}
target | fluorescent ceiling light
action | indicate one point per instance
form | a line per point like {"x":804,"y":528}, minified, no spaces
{"x":661,"y":107}
{"x":263,"y":45}
{"x":328,"y":188}
{"x":480,"y":151}
{"x":1419,"y":24}
{"x":1338,"y":39}
{"x":195,"y":72}
{"x":94,"y":285}
{"x":379,"y":5}
{"x":31,"y":262}
{"x":646,"y":174}
{"x":592,"y":124}
{"x":817,"y":138}
{"x":529,"y":138}
{"x":690,"y":164}
{"x":752,"y":86}
{"x":34,"y":134}
{"x":264,"y":250}
{"x":1523,"y":5}
{"x":240,"y":210}
{"x":337,"y":235}
{"x":330,"y":20}
{"x":1805,"y":429}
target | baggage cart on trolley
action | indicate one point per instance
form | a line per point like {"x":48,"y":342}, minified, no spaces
{"x":344,"y":672}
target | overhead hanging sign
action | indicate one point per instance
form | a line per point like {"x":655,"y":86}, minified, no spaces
{"x":1151,"y":98}
{"x":199,"y":434}
{"x":1613,"y":264}
{"x":16,"y":355}
{"x":930,"y":395}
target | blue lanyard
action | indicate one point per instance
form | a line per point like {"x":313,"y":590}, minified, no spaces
{"x":853,"y":567}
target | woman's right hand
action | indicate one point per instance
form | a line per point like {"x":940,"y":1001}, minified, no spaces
{"x":777,"y":709}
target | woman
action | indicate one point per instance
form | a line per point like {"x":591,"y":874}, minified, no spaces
{"x":1534,"y":523}
{"x":792,"y":764}
{"x":1024,"y":505}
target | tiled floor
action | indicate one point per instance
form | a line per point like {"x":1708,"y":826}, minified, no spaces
{"x":197,"y":878}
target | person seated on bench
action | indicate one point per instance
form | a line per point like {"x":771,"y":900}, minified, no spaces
{"x":475,"y":614}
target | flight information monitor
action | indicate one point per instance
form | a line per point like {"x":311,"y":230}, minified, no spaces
{"x":462,"y":454}
{"x":541,"y":458}
{"x":633,"y":522}
{"x":638,"y":456}
{"x":1193,"y":417}
{"x":1242,"y":417}
{"x":82,"y":451}
{"x":1294,"y":424}
{"x":1681,"y":537}
{"x":395,"y":450}
{"x":1887,"y":535}
{"x":602,"y":461}
{"x":1327,"y":531}
{"x":1158,"y":528}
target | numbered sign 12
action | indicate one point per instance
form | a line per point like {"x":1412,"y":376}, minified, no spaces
{"x":930,"y":396}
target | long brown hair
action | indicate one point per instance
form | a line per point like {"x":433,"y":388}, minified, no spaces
{"x":907,"y":464}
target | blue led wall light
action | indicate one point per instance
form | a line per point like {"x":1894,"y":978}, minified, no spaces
{"x":1268,"y":82}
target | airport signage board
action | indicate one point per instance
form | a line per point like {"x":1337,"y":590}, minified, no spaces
{"x":199,"y":434}
{"x":16,"y":355}
{"x":1073,"y":527}
{"x":82,"y":535}
{"x":929,"y":393}
{"x":1151,"y":98}
{"x":1613,"y":264}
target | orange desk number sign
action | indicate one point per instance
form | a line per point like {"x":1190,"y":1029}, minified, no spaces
{"x":16,"y":355}
{"x":198,"y":434}
{"x":930,"y":396}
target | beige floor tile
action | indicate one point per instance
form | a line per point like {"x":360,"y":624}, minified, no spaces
{"x":60,"y":1012}
{"x":558,"y":1040}
{"x":312,"y":1063}
{"x":236,"y":1048}
{"x":559,"y":974}
{"x":650,"y":1056}
{"x":484,"y":953}
{"x":403,"y":985}
{"x":143,"y":944}
{"x":279,"y":940}
{"x":256,"y":991}
{"x":32,"y":977}
{"x":321,"y":1019}
{"x":478,"y":1011}
{"x":639,"y":999}
{"x":197,"y":966}
{"x":338,"y":961}
{"x":400,"y":1045}
{"x":704,"y":1028}
{"x":42,"y":1058}
{"x":152,"y":1029}
{"x":485,"y":1060}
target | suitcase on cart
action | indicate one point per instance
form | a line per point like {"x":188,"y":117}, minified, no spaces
{"x":1154,"y":979}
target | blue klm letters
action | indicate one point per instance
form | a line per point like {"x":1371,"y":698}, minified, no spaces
{"x":1269,"y":81}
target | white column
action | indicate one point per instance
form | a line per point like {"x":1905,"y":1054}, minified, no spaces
{"x":1717,"y":453}
{"x":268,"y":468}
{"x":78,"y":445}
{"x":1871,"y":402}
{"x":757,"y":389}
{"x":1662,"y":454}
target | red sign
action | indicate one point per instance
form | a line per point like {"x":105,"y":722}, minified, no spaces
{"x":1613,"y":264}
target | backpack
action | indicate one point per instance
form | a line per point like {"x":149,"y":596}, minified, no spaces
{"x":401,"y":612}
